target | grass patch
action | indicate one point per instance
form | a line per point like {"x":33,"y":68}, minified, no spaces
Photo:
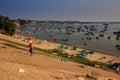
{"x":80,"y":60}
{"x":23,"y":45}
{"x":60,"y":53}
{"x":42,"y":50}
{"x":90,"y":63}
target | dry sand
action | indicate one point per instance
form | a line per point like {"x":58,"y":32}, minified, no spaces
{"x":42,"y":67}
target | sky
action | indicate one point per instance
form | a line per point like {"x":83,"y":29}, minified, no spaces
{"x":62,"y":10}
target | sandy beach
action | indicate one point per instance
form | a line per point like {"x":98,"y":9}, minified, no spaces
{"x":43,"y":67}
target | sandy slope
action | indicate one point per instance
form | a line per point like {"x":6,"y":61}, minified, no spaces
{"x":9,"y":71}
{"x":41,"y":67}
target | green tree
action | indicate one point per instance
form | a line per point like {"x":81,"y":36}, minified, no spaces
{"x":7,"y":26}
{"x":22,"y":21}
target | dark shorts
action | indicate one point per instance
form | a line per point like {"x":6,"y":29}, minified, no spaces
{"x":31,"y":50}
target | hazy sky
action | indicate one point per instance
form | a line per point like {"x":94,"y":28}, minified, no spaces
{"x":75,"y":10}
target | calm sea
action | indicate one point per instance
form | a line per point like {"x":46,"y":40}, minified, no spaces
{"x":103,"y":44}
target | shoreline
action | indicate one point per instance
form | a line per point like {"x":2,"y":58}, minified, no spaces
{"x":83,"y":48}
{"x":114,"y":53}
{"x":50,"y":44}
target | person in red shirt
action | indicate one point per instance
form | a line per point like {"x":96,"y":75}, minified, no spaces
{"x":30,"y":47}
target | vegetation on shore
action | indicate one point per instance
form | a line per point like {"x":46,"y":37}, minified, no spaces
{"x":7,"y":26}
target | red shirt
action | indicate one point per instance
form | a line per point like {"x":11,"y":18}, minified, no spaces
{"x":31,"y":45}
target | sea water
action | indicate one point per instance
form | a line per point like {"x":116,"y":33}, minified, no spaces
{"x":103,"y":44}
